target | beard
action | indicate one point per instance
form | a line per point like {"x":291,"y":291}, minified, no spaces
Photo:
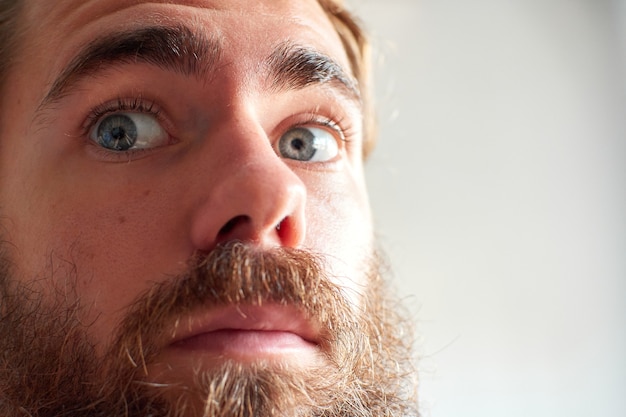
{"x":49,"y":367}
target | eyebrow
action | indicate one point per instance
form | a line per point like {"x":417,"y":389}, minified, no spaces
{"x":174,"y":48}
{"x":179,"y":49}
{"x":294,"y":67}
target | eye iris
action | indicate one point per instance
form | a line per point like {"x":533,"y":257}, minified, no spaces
{"x":117,"y":132}
{"x":298,"y":144}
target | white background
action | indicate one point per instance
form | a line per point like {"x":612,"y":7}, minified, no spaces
{"x":499,"y":193}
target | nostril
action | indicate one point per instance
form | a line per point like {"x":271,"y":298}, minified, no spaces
{"x":231,"y":225}
{"x":241,"y":228}
{"x":283,"y":228}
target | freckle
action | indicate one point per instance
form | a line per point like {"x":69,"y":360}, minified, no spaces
{"x":121,"y":219}
{"x":147,"y":193}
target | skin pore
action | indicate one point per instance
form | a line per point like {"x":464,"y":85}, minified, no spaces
{"x":185,"y":223}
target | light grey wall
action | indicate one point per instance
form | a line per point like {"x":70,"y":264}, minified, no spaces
{"x":499,"y":190}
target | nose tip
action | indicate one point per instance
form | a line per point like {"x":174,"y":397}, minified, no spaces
{"x":262,"y":203}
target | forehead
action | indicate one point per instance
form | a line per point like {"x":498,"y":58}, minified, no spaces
{"x":75,"y":13}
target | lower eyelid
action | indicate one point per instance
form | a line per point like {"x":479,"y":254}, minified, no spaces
{"x":105,"y":155}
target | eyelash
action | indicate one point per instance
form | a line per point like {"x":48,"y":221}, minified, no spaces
{"x":340,"y":125}
{"x":138,"y":105}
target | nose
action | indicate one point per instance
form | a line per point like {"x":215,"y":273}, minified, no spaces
{"x":254,"y":196}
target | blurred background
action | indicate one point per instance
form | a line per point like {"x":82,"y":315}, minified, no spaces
{"x":499,"y":193}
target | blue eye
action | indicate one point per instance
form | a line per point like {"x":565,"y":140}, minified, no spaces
{"x":308,"y":144}
{"x":127,"y":131}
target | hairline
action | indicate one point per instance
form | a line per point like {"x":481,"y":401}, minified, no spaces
{"x":10,"y":32}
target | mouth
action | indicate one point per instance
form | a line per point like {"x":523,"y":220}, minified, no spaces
{"x":247,"y":333}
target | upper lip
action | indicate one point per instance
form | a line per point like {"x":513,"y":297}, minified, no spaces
{"x":275,"y":318}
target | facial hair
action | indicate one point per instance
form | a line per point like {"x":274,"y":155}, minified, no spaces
{"x":49,"y":367}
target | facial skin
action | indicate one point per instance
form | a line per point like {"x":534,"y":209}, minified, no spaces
{"x":218,"y":132}
{"x":125,"y":221}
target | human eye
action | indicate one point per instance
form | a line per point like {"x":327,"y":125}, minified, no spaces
{"x":308,"y":144}
{"x":127,"y":127}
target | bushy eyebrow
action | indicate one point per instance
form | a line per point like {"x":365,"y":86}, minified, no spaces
{"x":179,"y":49}
{"x":294,"y":67}
{"x":174,"y":48}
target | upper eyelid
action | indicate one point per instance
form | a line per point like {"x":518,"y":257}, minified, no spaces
{"x":120,"y":105}
{"x":339,"y":124}
{"x":321,"y":121}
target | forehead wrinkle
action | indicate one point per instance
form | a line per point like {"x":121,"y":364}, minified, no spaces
{"x":293,"y":67}
{"x":175,"y":48}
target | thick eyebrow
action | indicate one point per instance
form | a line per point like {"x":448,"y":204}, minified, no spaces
{"x":293,"y":67}
{"x":174,"y":48}
{"x":177,"y":48}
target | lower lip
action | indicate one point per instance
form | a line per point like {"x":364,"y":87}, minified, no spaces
{"x":252,"y":344}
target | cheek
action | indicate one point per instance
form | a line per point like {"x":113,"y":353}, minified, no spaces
{"x":125,"y":233}
{"x":106,"y":245}
{"x":339,"y":227}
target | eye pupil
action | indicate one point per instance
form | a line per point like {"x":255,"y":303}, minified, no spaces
{"x":297,"y":144}
{"x":118,"y":133}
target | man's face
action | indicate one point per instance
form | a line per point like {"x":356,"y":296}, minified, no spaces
{"x":222,"y":151}
{"x":137,"y":136}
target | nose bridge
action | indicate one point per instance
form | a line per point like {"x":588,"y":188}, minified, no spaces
{"x":254,"y":195}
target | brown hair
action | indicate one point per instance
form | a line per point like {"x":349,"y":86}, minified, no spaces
{"x":9,"y":11}
{"x":349,"y":29}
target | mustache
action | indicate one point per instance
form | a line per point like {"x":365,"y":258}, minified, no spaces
{"x":236,"y":274}
{"x":366,"y":355}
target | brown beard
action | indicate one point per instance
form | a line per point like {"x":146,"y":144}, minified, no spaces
{"x":48,"y":367}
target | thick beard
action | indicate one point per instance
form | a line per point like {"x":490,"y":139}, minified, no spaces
{"x":48,"y":367}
